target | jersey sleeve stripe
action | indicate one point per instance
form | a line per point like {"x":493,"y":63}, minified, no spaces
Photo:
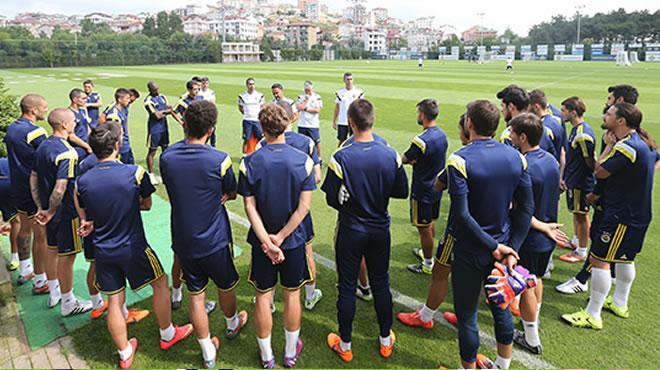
{"x":226,"y":165}
{"x":420,"y":143}
{"x":458,"y":163}
{"x":626,"y":150}
{"x":242,"y":168}
{"x":139,"y":174}
{"x":336,"y":167}
{"x":35,"y":134}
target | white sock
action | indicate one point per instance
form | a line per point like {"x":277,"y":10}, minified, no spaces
{"x":68,"y":298}
{"x":291,"y":342}
{"x":428,"y":262}
{"x":39,"y":279}
{"x":601,"y":282}
{"x":177,"y":294}
{"x":385,"y":341}
{"x":531,"y":333}
{"x":97,"y":300}
{"x":124,"y":311}
{"x":54,"y":288}
{"x":344,"y":346}
{"x":14,"y":257}
{"x":625,"y":275}
{"x":309,"y":290}
{"x":208,"y":348}
{"x":426,"y":314}
{"x":502,"y":363}
{"x":581,"y":251}
{"x":168,"y":333}
{"x":232,"y":322}
{"x":538,"y":314}
{"x":126,"y":353}
{"x":265,"y":349}
{"x":26,"y":267}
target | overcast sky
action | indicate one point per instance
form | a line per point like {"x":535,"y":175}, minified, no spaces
{"x":520,"y":15}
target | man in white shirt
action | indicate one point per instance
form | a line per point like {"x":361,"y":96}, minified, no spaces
{"x":206,"y":92}
{"x":344,"y":98}
{"x":288,"y":104}
{"x":309,"y":105}
{"x":249,"y":104}
{"x":420,"y":63}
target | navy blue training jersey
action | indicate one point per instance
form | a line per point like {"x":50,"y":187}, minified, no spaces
{"x":300,"y":142}
{"x":184,"y":102}
{"x":489,"y":173}
{"x":196,"y":177}
{"x":275,"y":175}
{"x":545,"y":144}
{"x":557,"y":133}
{"x":110,"y":193}
{"x":372,"y":173}
{"x":428,"y":150}
{"x":543,"y":170}
{"x":579,"y":148}
{"x":629,"y":188}
{"x":83,"y":123}
{"x":93,"y":97}
{"x":56,"y":160}
{"x":377,"y":138}
{"x":117,"y":114}
{"x":22,"y":140}
{"x":155,"y":104}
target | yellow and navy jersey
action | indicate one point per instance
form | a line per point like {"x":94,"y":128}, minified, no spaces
{"x":275,"y":176}
{"x":184,"y":102}
{"x":629,"y":187}
{"x":196,"y":177}
{"x":110,"y":193}
{"x":554,"y":111}
{"x":300,"y":142}
{"x":119,"y":114}
{"x":543,"y":170}
{"x":546,"y":142}
{"x":488,"y":173}
{"x":579,"y":149}
{"x":429,"y":151}
{"x":155,"y":104}
{"x":557,"y":133}
{"x":22,"y":139}
{"x":92,"y":98}
{"x":377,"y":138}
{"x":56,"y":160}
{"x":371,"y":173}
{"x":83,"y":123}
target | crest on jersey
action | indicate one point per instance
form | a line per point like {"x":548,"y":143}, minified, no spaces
{"x":605,"y":237}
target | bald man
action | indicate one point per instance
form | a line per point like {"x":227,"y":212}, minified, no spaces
{"x":22,"y":140}
{"x":51,"y":183}
{"x":158,"y":133}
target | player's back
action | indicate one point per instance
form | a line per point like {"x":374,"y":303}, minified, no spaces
{"x":22,"y":139}
{"x":433,"y":145}
{"x":543,"y":170}
{"x":56,"y":159}
{"x":558,"y":133}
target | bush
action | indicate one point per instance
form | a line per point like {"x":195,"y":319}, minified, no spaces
{"x":9,"y":112}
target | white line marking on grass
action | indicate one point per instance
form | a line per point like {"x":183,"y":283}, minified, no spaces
{"x":528,"y":360}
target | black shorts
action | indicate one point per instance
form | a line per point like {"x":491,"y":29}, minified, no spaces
{"x":62,"y":235}
{"x":312,"y":133}
{"x":343,"y":132}
{"x":88,"y":247}
{"x":8,"y":211}
{"x":158,"y":139}
{"x":127,"y":157}
{"x":445,"y":253}
{"x":293,"y":273}
{"x":576,"y":200}
{"x":617,"y":242}
{"x":535,"y":262}
{"x":308,"y":226}
{"x":218,"y":266}
{"x":142,"y":269}
{"x":24,"y":205}
{"x":423,"y":214}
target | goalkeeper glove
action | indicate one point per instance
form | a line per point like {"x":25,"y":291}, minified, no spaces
{"x":504,"y":284}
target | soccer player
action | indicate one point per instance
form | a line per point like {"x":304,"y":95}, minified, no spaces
{"x":579,"y":283}
{"x":158,"y":134}
{"x":420,"y":63}
{"x":536,"y":251}
{"x":343,"y":99}
{"x":277,"y":234}
{"x":309,"y":104}
{"x":51,"y":183}
{"x":22,"y":139}
{"x":209,"y":95}
{"x":515,"y":101}
{"x":135,"y":95}
{"x":118,"y":112}
{"x":426,"y":154}
{"x":112,"y":195}
{"x":578,"y":179}
{"x":19,"y":258}
{"x":94,"y":102}
{"x":628,"y":165}
{"x":249,"y":104}
{"x":538,"y":104}
{"x":288,"y":104}
{"x":199,"y":180}
{"x":484,"y":179}
{"x":361,"y":179}
{"x":192,"y":95}
{"x":83,"y":121}
{"x":509,"y":64}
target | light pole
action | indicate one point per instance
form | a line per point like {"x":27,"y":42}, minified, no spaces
{"x":577,"y":9}
{"x":481,"y":28}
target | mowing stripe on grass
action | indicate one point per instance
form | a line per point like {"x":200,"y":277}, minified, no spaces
{"x":524,"y":358}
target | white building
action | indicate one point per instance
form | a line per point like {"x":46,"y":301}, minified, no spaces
{"x":98,"y":18}
{"x":240,"y":52}
{"x":244,"y":29}
{"x":380,"y":14}
{"x":196,"y":25}
{"x":375,"y":41}
{"x":313,"y":10}
{"x":3,"y":21}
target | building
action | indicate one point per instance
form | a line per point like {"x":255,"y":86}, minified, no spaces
{"x":313,"y":10}
{"x":424,"y":23}
{"x":196,"y":25}
{"x":380,"y":14}
{"x":240,"y":52}
{"x":98,"y":18}
{"x":3,"y":21}
{"x":302,"y":5}
{"x":242,"y":29}
{"x":475,"y":34}
{"x":356,"y":13}
{"x":301,"y":35}
{"x":375,"y":41}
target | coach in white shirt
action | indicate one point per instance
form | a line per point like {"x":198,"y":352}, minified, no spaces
{"x":309,"y":106}
{"x":206,"y":92}
{"x":249,"y":104}
{"x":344,"y":98}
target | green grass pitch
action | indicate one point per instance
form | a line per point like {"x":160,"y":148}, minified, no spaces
{"x":394,"y":87}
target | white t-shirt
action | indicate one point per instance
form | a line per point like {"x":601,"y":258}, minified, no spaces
{"x":344,"y":98}
{"x":308,"y":119}
{"x":509,"y":62}
{"x":421,"y":61}
{"x":208,"y":94}
{"x":288,"y":101}
{"x":251,"y":104}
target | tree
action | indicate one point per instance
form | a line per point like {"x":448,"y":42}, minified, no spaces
{"x":162,"y":25}
{"x":8,"y":113}
{"x":149,"y":27}
{"x":175,"y":24}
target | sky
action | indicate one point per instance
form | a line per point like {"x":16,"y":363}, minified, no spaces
{"x":519,"y":15}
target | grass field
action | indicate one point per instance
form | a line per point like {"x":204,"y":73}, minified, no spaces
{"x":394,"y":87}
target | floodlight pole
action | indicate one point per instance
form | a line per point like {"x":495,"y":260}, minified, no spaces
{"x":578,"y":8}
{"x":481,"y":28}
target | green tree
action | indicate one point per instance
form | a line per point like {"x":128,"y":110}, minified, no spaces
{"x":175,"y":24}
{"x":149,"y":26}
{"x":8,"y":113}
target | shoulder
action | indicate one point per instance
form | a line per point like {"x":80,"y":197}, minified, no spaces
{"x":628,"y":147}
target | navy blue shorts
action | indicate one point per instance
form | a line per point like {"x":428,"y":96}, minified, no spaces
{"x":595,"y":221}
{"x":24,"y":205}
{"x":312,"y":133}
{"x":158,"y":139}
{"x":617,"y":242}
{"x":293,"y":273}
{"x":218,"y":266}
{"x":343,"y":132}
{"x":8,"y":210}
{"x":88,"y":247}
{"x":308,"y":226}
{"x":576,"y":199}
{"x":535,"y":262}
{"x":127,"y":157}
{"x":142,"y":269}
{"x":423,"y":214}
{"x":62,"y":235}
{"x":251,"y":128}
{"x":445,"y":253}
